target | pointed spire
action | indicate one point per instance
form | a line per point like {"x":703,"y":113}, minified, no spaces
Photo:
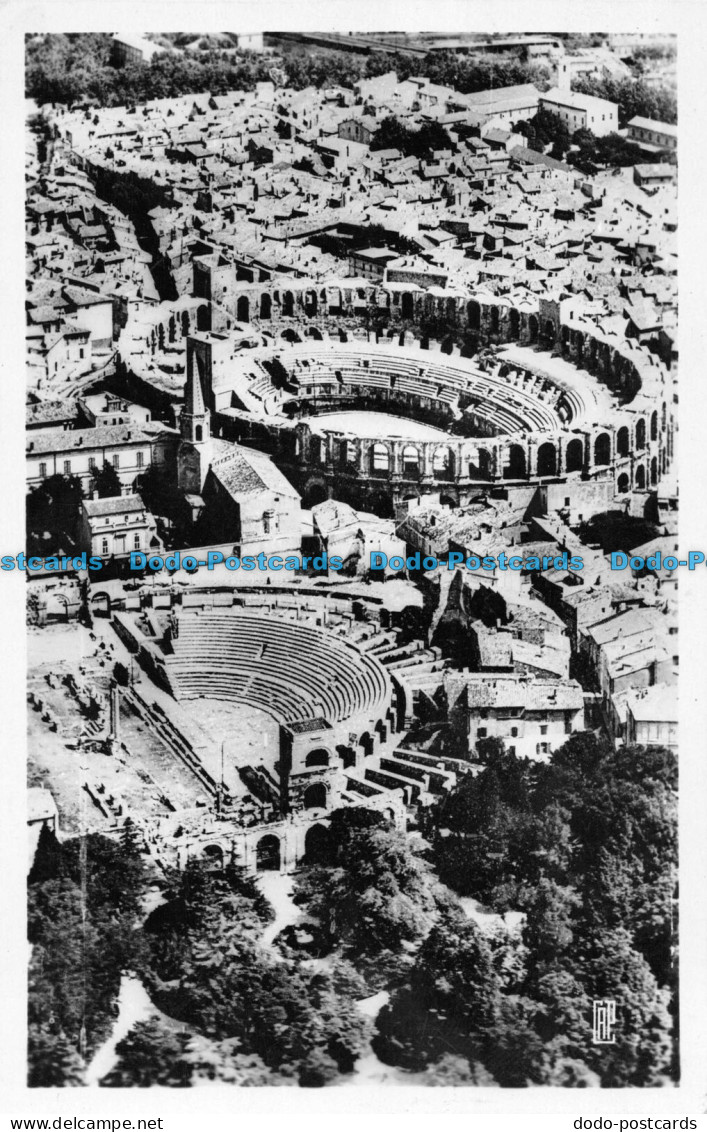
{"x":194,"y":395}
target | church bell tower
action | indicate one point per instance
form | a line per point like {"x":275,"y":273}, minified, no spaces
{"x":193,"y":458}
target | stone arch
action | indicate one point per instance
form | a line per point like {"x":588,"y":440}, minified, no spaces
{"x":213,"y":855}
{"x":516,"y":467}
{"x":654,"y":472}
{"x":549,"y":333}
{"x":533,"y":328}
{"x":315,"y":796}
{"x":514,"y":323}
{"x":623,"y":483}
{"x":315,"y":492}
{"x":317,"y":450}
{"x":318,"y":757}
{"x":547,"y":459}
{"x":411,"y":461}
{"x":482,"y":470}
{"x":640,"y":433}
{"x":602,"y":449}
{"x":654,"y":425}
{"x":311,"y":303}
{"x":640,"y":478}
{"x":623,"y":441}
{"x":574,"y":456}
{"x":265,"y":305}
{"x":185,"y":324}
{"x":318,"y":846}
{"x":267,"y":853}
{"x":407,"y":307}
{"x":443,"y":463}
{"x":495,"y":320}
{"x":378,"y":459}
{"x":243,"y":309}
{"x":288,"y":304}
{"x":473,"y":314}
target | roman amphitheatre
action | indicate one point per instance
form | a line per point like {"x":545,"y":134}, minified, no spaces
{"x":348,"y":387}
{"x":281,"y":704}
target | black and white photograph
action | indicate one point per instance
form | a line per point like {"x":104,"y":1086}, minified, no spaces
{"x":352,"y":559}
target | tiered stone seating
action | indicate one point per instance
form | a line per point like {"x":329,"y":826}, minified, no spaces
{"x":293,"y":671}
{"x":503,"y":394}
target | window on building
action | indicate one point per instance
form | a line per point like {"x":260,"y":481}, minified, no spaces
{"x":43,"y":471}
{"x":140,"y":459}
{"x":104,"y":546}
{"x":92,"y":463}
{"x":116,"y":460}
{"x":514,"y":732}
{"x":67,"y":467}
{"x":136,"y":541}
{"x":481,"y":732}
{"x":543,"y":728}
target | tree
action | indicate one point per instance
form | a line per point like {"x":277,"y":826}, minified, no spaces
{"x":52,"y":1059}
{"x":53,"y":510}
{"x":380,"y":896}
{"x":453,"y":1001}
{"x":151,"y":1054}
{"x":106,"y":482}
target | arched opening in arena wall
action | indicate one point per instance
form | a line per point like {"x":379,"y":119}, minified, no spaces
{"x":288,"y":304}
{"x":514,"y":324}
{"x":443,"y":464}
{"x":318,"y":846}
{"x":473,"y":312}
{"x":315,"y":493}
{"x":533,"y":329}
{"x":623,"y":442}
{"x":267,"y":853}
{"x":378,"y":460}
{"x":623,"y":484}
{"x":602,"y":449}
{"x":411,"y":462}
{"x":515,"y":463}
{"x":482,"y":470}
{"x":574,"y":458}
{"x":243,"y":309}
{"x":640,"y":478}
{"x":547,"y":460}
{"x":641,"y":433}
{"x":213,"y":856}
{"x":318,"y":757}
{"x":314,"y":797}
{"x":265,"y":305}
